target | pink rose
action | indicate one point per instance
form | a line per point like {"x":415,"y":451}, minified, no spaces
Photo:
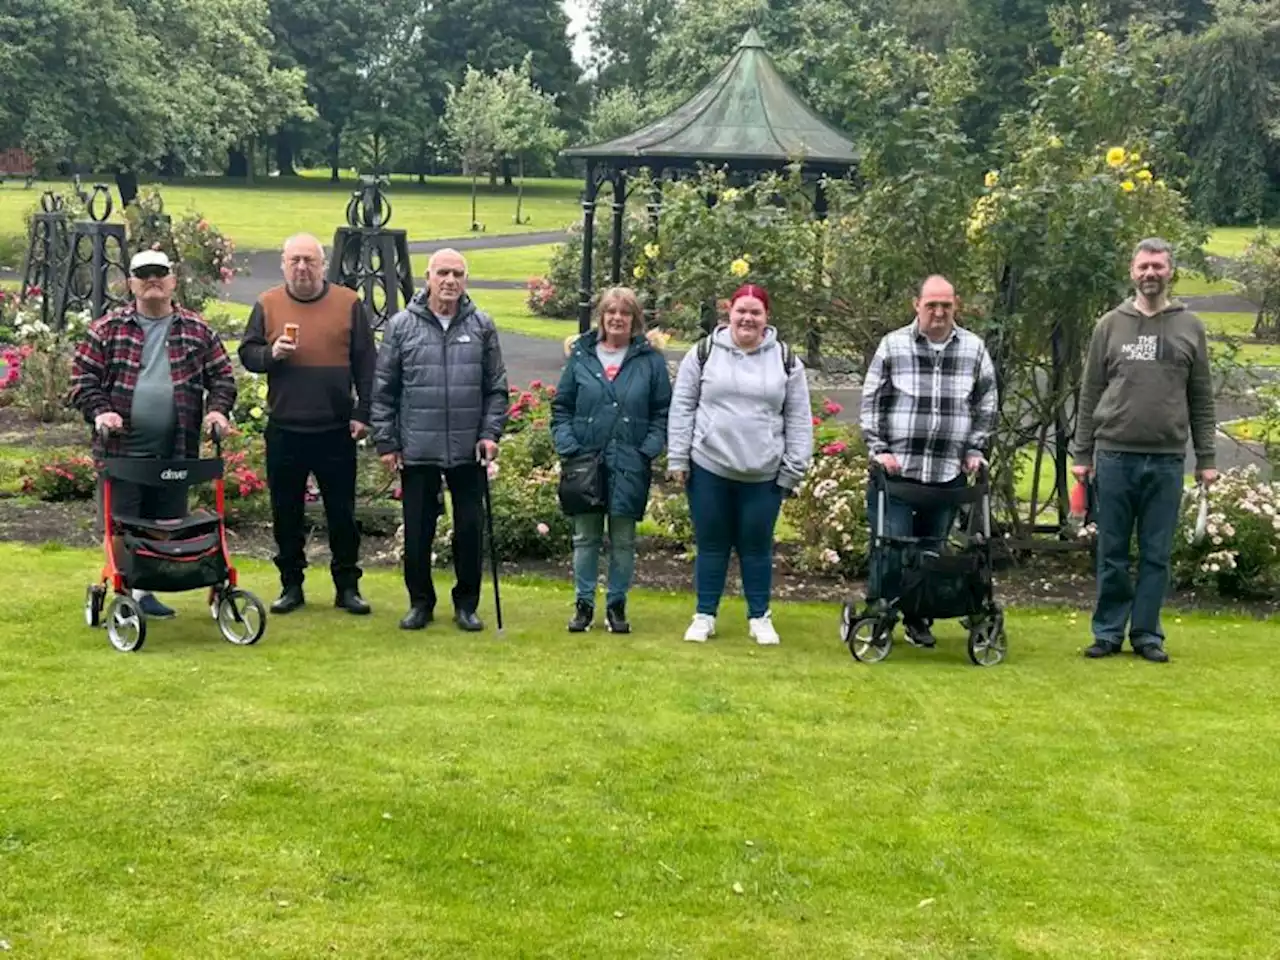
{"x":835,"y":449}
{"x":832,"y":407}
{"x":543,"y":529}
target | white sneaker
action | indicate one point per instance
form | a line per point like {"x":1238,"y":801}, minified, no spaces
{"x":761,"y":630}
{"x":702,"y":629}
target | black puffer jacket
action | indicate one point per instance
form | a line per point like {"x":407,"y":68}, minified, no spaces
{"x":435,"y":392}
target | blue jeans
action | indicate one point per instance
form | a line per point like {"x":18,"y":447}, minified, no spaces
{"x":588,"y":535}
{"x":730,"y":515}
{"x":901,"y":519}
{"x":1142,"y":490}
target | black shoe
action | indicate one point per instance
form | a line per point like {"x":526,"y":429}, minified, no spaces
{"x":583,"y":614}
{"x":920,"y":635}
{"x":1153,"y":652}
{"x":349,"y":599}
{"x":290,"y":599}
{"x":417,"y":618}
{"x":1101,"y":649}
{"x":615,"y":617}
{"x":468,"y":621}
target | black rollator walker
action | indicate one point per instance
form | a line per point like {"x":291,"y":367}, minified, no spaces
{"x":954,"y":582}
{"x":168,"y":555}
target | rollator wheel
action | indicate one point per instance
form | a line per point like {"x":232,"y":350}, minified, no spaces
{"x":126,"y":624}
{"x":94,"y":594}
{"x":870,"y":639}
{"x":241,"y":617}
{"x":988,"y":643}
{"x":846,"y":622}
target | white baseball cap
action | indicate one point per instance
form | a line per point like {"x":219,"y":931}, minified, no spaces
{"x":150,"y":258}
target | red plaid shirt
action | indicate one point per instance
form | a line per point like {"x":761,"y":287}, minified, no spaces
{"x":107,"y":363}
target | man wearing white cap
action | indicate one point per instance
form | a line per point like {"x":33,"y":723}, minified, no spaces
{"x":143,"y":376}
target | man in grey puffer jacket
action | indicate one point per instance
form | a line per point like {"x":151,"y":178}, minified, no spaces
{"x":439,"y":407}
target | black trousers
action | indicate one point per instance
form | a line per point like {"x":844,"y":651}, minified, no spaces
{"x":420,"y":493}
{"x":292,"y":455}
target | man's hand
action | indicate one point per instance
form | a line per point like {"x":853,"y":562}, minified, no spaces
{"x":679,"y":476}
{"x":1081,"y":472}
{"x":392,"y":461}
{"x":486,"y":451}
{"x":283,"y":347}
{"x":889,"y":462}
{"x":359,"y":430}
{"x":974,"y":462}
{"x":216,"y":421}
{"x":1207,"y":476}
{"x":108,"y":423}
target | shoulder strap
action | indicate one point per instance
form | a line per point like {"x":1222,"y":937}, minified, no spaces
{"x":704,"y":350}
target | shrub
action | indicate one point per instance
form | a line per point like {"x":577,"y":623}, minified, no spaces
{"x":61,"y":477}
{"x":1239,"y":554}
{"x":250,"y":412}
{"x":668,"y":509}
{"x":244,"y":476}
{"x":829,"y":511}
{"x":527,"y":522}
{"x":205,"y":257}
{"x":45,"y":371}
{"x":530,"y":408}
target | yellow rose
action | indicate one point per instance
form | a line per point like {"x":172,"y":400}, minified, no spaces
{"x":651,"y":250}
{"x":1055,"y":142}
{"x":729,"y":195}
{"x":1144,"y":175}
{"x":740,"y":267}
{"x":1160,"y":185}
{"x":1135,"y":159}
{"x":1127,"y":186}
{"x":256,"y":413}
{"x":639,"y":271}
{"x":262,"y":391}
{"x":1115,"y":157}
{"x":991,"y":179}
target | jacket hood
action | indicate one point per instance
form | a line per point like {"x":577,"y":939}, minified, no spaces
{"x":721,"y":337}
{"x":1130,"y":309}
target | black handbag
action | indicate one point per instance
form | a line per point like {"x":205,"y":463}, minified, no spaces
{"x":584,"y":484}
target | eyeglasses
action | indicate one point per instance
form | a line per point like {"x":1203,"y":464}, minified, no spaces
{"x":151,"y":272}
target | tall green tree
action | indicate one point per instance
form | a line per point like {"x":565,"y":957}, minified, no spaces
{"x":624,"y":35}
{"x":527,"y":130}
{"x":1228,"y":91}
{"x":475,"y":112}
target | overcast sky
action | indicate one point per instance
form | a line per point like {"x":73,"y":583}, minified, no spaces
{"x":577,"y":10}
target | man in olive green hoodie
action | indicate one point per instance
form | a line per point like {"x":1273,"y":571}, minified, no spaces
{"x":1147,"y":385}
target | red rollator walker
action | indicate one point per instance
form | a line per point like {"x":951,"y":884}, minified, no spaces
{"x":168,"y":556}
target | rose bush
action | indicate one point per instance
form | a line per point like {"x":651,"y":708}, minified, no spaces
{"x":60,"y":476}
{"x":1240,"y":553}
{"x":44,"y":373}
{"x":205,"y":257}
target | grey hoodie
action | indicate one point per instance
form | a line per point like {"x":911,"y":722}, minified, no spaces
{"x":739,"y":415}
{"x":1147,"y":384}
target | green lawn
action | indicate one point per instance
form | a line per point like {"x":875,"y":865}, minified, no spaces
{"x":516,"y":263}
{"x":345,"y":789}
{"x":1190,"y":284}
{"x":262,"y":216}
{"x":1230,"y":241}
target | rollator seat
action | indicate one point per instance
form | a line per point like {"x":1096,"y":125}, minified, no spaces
{"x":195,"y":521}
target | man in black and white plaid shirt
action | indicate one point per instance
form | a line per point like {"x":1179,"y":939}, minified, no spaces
{"x":929,"y":405}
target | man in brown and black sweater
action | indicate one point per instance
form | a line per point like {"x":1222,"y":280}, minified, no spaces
{"x":314,"y":342}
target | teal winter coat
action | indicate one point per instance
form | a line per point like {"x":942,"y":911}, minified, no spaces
{"x":625,"y":417}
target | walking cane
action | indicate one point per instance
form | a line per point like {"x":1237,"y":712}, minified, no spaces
{"x":493,"y":546}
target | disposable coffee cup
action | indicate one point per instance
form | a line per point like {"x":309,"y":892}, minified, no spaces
{"x":291,"y":331}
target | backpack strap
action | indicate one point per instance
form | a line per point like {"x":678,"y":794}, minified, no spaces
{"x":704,"y":350}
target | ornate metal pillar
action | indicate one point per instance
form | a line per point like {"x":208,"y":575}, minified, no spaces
{"x":369,"y":257}
{"x":46,"y":249}
{"x":94,"y":274}
{"x":586,"y":285}
{"x":619,"y":211}
{"x":654,"y":209}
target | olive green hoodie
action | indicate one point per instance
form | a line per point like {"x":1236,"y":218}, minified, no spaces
{"x":1147,"y":384}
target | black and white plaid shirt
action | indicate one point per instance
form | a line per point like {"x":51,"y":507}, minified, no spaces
{"x":929,"y":407}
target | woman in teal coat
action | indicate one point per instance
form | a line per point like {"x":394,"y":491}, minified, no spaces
{"x":613,"y":396}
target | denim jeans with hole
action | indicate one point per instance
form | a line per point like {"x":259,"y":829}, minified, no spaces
{"x":588,"y":537}
{"x":1143,"y":491}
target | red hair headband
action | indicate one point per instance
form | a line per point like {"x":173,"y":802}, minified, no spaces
{"x":750,"y":290}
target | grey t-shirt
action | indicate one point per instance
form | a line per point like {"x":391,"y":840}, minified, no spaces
{"x":610,"y":359}
{"x":153,"y":417}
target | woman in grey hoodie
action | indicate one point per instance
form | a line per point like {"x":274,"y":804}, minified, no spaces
{"x":740,"y":436}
